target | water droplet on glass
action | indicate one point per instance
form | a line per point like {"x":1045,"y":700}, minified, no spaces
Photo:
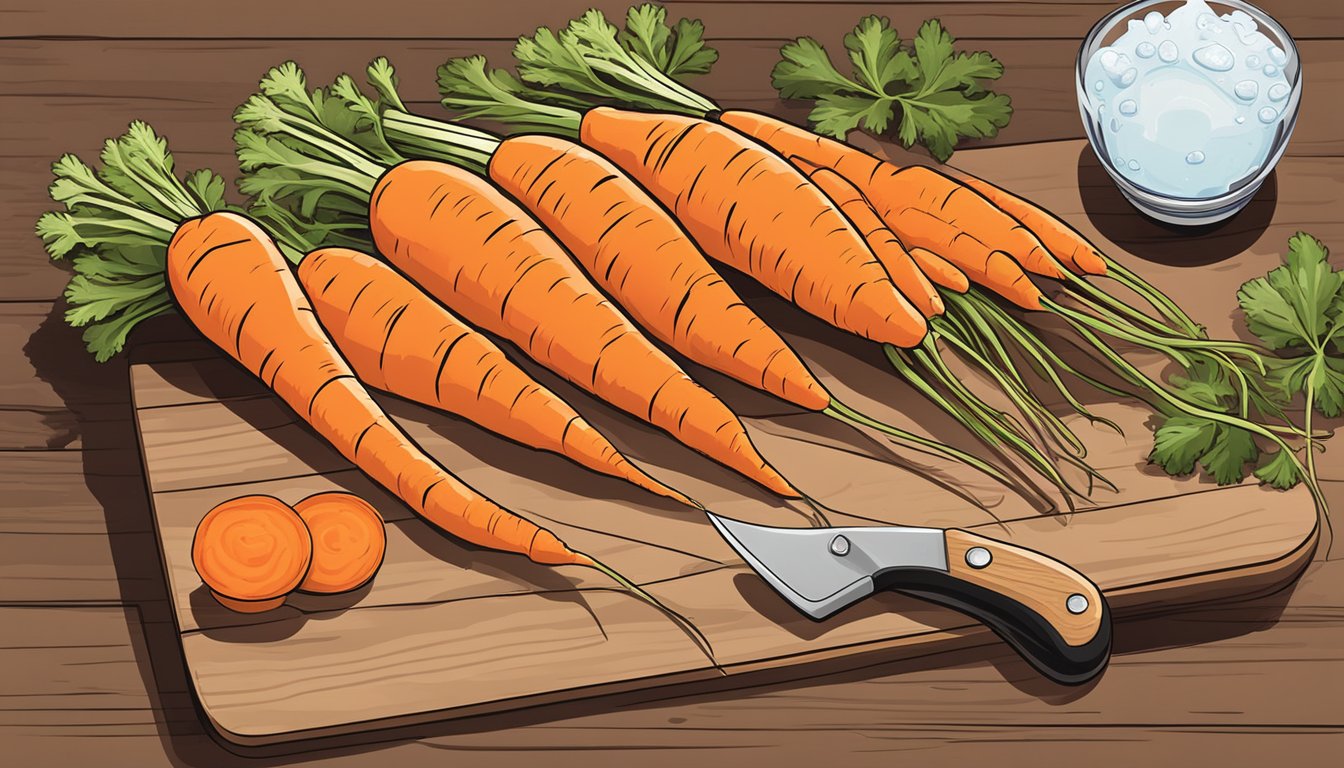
{"x":1119,"y":161}
{"x":1270,"y":70}
{"x":1205,"y":20}
{"x":1195,"y":158}
{"x":1253,"y":61}
{"x":1215,"y":57}
{"x":1133,"y":165}
{"x":1267,"y":114}
{"x":1167,"y":51}
{"x":1128,"y":107}
{"x":1277,"y":55}
{"x":1246,"y":90}
{"x":1241,"y":119}
{"x":1278,"y":92}
{"x":1153,"y":21}
{"x":1145,"y":50}
{"x":1100,"y":86}
{"x":1115,"y":124}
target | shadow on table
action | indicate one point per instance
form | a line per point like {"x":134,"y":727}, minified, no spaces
{"x":1162,"y":243}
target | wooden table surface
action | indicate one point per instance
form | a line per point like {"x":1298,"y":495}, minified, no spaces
{"x":89,"y":669}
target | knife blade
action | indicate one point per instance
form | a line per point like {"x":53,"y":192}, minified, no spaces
{"x":1049,"y":613}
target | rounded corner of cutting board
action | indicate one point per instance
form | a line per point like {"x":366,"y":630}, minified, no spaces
{"x":1298,"y":533}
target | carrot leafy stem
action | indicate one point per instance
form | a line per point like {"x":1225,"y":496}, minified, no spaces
{"x":940,"y":92}
{"x":116,"y":226}
{"x":678,"y":50}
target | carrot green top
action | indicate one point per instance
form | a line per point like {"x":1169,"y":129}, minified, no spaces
{"x":587,"y":63}
{"x":116,"y":227}
{"x":117,"y":224}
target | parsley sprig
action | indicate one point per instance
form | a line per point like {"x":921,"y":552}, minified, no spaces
{"x":1297,"y":311}
{"x":938,"y":91}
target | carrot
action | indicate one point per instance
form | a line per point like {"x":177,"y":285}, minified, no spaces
{"x":749,"y":208}
{"x":251,"y":552}
{"x":643,"y":259}
{"x":149,"y":231}
{"x":626,"y":242}
{"x":348,"y":542}
{"x":476,"y":250}
{"x":1059,"y":238}
{"x":399,"y":340}
{"x":899,"y":193}
{"x":941,"y":271}
{"x":509,"y":277}
{"x":219,"y":269}
{"x":629,"y":245}
{"x":924,"y":208}
{"x":1038,"y":241}
{"x":912,"y":282}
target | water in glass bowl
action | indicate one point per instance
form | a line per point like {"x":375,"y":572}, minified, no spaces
{"x":1189,"y":103}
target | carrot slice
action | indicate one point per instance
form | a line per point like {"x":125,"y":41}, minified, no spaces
{"x":349,"y":542}
{"x":251,"y":552}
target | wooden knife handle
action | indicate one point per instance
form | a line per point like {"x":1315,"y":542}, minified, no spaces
{"x":1051,"y":614}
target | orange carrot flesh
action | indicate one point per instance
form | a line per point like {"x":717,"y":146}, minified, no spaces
{"x":349,"y":542}
{"x":912,"y":282}
{"x":896,"y":193}
{"x":399,"y":340}
{"x":1059,"y":238}
{"x":476,"y":250}
{"x":941,"y":271}
{"x":638,"y":253}
{"x":991,"y":268}
{"x":251,"y":552}
{"x":231,"y":281}
{"x":748,"y":208}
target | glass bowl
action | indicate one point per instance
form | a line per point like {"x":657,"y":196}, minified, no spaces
{"x":1190,"y":211}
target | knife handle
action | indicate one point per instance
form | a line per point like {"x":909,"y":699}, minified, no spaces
{"x":1051,"y":614}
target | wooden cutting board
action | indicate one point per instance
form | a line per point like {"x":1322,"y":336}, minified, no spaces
{"x":447,"y":630}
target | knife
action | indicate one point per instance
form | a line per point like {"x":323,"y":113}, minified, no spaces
{"x":1049,"y":613}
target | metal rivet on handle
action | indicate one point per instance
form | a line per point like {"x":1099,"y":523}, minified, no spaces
{"x":1076,"y":603}
{"x":978,"y":557}
{"x":840,"y":546}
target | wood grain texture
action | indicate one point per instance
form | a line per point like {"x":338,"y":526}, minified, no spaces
{"x":255,"y":674}
{"x":1030,"y":578}
{"x":762,"y":19}
{"x":188,"y":91}
{"x":90,"y":683}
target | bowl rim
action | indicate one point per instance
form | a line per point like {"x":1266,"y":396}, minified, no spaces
{"x":1292,"y":64}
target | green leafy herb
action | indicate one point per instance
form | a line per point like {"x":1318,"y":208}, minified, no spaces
{"x":938,"y":91}
{"x":1298,"y":310}
{"x":1300,"y":307}
{"x":1186,"y":440}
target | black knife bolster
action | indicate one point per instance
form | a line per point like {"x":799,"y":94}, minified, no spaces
{"x":1024,"y":629}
